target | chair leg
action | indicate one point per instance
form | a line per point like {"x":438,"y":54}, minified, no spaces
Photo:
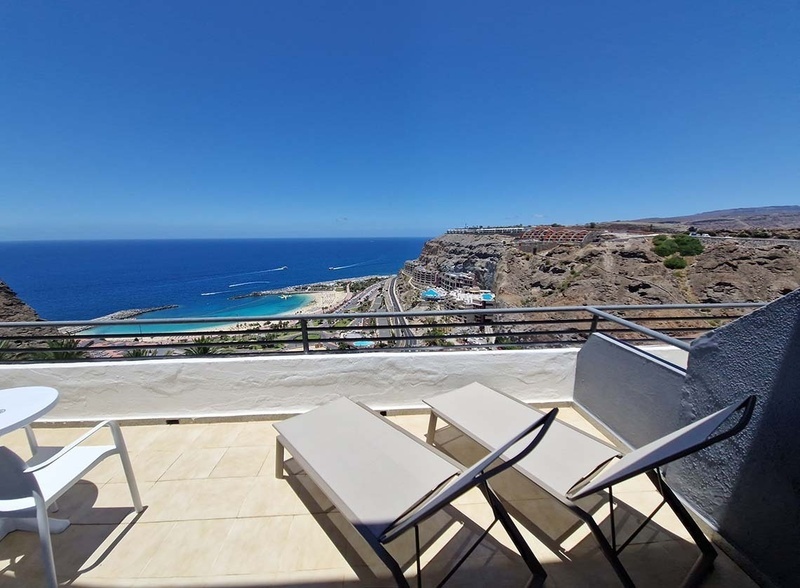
{"x":279,"y":458}
{"x":43,"y":522}
{"x":431,"y":428}
{"x":534,"y":565}
{"x":705,"y":563}
{"x":119,"y":441}
{"x":605,"y":546}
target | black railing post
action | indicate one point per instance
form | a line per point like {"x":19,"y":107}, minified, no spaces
{"x":593,"y":327}
{"x":304,"y":327}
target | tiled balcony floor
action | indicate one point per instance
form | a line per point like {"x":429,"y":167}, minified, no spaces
{"x":217,"y":516}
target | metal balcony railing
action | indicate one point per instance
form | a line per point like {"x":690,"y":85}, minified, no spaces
{"x":490,"y":328}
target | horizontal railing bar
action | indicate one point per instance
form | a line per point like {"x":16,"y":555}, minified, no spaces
{"x":640,"y":329}
{"x":482,"y":311}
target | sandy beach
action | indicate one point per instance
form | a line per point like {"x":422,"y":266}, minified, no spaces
{"x":319,"y":302}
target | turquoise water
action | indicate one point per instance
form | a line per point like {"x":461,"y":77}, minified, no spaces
{"x":245,"y":307}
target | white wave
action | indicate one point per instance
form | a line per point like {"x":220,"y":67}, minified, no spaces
{"x":338,"y":267}
{"x":209,"y":293}
{"x":248,"y":283}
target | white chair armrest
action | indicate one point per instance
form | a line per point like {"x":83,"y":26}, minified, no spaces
{"x":67,"y":448}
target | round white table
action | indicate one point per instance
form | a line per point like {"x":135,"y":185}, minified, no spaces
{"x":20,"y":407}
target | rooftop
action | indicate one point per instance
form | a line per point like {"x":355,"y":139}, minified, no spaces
{"x":217,"y":516}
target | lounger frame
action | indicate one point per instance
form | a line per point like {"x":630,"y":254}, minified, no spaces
{"x":466,"y":479}
{"x":610,"y":548}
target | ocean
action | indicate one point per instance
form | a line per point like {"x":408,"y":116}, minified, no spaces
{"x":81,"y":280}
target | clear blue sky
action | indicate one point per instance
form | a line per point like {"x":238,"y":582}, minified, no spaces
{"x":333,"y":118}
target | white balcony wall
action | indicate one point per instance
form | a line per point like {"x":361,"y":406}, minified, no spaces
{"x":278,"y":385}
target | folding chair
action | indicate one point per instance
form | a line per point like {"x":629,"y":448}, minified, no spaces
{"x":386,"y":482}
{"x":569,"y":464}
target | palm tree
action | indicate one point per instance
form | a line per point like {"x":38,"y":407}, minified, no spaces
{"x":201,"y":347}
{"x":6,"y":354}
{"x":63,"y":349}
{"x":140,"y":352}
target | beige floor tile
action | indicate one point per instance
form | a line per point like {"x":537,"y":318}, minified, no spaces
{"x":307,"y":579}
{"x":194,"y":463}
{"x":574,"y":418}
{"x":110,"y":504}
{"x":126,"y":551}
{"x":190,"y":548}
{"x":175,"y":437}
{"x":182,"y":500}
{"x":242,"y":462}
{"x":308,"y":547}
{"x":149,"y":465}
{"x":255,"y":434}
{"x":254,"y":546}
{"x":107,"y":470}
{"x":219,"y":434}
{"x":416,"y":424}
{"x":292,"y":495}
{"x":139,"y":437}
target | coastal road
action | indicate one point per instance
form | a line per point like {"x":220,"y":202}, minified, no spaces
{"x":393,"y":305}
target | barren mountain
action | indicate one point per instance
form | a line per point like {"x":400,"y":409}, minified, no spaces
{"x":765,"y":217}
{"x":617,"y":271}
{"x":12,"y":309}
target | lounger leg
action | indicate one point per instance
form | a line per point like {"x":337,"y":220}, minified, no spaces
{"x":539,"y":573}
{"x":388,"y":560}
{"x":279,"y":457}
{"x":605,"y":546}
{"x":705,"y":562}
{"x":431,"y":428}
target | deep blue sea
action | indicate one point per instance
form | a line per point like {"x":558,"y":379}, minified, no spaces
{"x":78,"y":280}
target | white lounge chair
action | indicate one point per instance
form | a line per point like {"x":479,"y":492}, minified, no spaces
{"x":28,"y":491}
{"x":385,"y":481}
{"x":569,"y":464}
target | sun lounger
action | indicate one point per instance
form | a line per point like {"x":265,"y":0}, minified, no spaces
{"x":570,"y":465}
{"x":385,"y":481}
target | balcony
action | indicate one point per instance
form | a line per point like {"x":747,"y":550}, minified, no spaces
{"x":217,"y":516}
{"x":203,"y":449}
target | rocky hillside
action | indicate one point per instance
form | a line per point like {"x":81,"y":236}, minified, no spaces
{"x":764,"y":217}
{"x":616,"y":272}
{"x":12,"y":309}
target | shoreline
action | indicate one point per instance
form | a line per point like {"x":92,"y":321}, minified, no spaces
{"x":118,"y":315}
{"x":322,"y":298}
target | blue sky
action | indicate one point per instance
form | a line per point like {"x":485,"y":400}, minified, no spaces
{"x":332,"y":118}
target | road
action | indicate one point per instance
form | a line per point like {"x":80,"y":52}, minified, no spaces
{"x":393,"y":305}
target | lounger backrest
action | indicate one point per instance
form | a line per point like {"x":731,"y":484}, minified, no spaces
{"x":691,"y":438}
{"x":472,"y":476}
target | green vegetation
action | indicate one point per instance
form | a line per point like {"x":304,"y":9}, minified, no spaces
{"x":675,"y":247}
{"x":202,"y":347}
{"x":360,"y":285}
{"x":5,"y":354}
{"x":440,"y":341}
{"x":675,"y":262}
{"x":63,"y":349}
{"x":682,"y":244}
{"x":139,"y":352}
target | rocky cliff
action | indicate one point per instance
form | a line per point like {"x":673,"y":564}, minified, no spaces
{"x":12,"y":309}
{"x":616,"y":271}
